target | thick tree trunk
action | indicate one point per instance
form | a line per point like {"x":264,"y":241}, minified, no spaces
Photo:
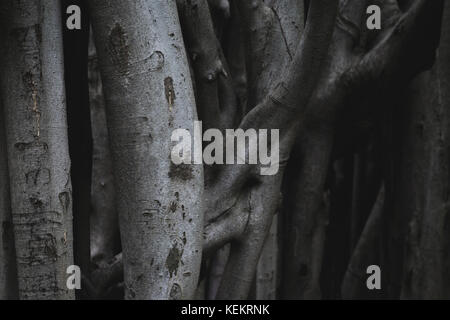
{"x":427,"y":259}
{"x":148,"y":94}
{"x":38,"y":157}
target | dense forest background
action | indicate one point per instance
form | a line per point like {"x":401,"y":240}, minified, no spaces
{"x":86,"y":177}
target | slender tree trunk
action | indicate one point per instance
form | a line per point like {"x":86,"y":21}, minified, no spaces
{"x":272,"y":32}
{"x":307,"y":218}
{"x":8,"y":272}
{"x":366,"y":253}
{"x":148,"y":94}
{"x":105,"y":238}
{"x":38,"y":157}
{"x":267,"y":270}
{"x":217,"y":267}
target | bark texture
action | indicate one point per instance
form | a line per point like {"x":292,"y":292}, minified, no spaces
{"x":427,"y":260}
{"x":361,"y":124}
{"x":8,"y":272}
{"x":149,"y":93}
{"x":33,"y":94}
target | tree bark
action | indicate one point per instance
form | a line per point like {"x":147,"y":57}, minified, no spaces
{"x":259,"y":199}
{"x":427,"y":259}
{"x":38,"y":157}
{"x":366,"y":253}
{"x":8,"y":270}
{"x":148,"y":94}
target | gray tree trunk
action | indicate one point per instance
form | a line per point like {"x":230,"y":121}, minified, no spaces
{"x":148,"y":94}
{"x":426,"y":274}
{"x":283,"y":25}
{"x":39,"y":167}
{"x":8,"y":272}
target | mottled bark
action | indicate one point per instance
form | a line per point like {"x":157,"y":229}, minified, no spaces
{"x":148,"y":94}
{"x":32,"y":83}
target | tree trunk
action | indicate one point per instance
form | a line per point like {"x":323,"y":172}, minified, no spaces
{"x":38,"y":156}
{"x":148,"y":94}
{"x":427,"y":259}
{"x":105,"y":238}
{"x":8,"y":272}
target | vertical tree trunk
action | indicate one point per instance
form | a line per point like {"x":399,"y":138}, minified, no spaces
{"x":8,"y":272}
{"x":427,"y":256}
{"x":366,"y":253}
{"x":267,"y":271}
{"x":148,"y":94}
{"x":307,"y":218}
{"x":105,"y":238}
{"x":34,"y":106}
{"x":272,"y":32}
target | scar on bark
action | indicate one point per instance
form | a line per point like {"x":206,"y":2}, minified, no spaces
{"x":173,"y":206}
{"x":156,"y":61}
{"x":173,"y":260}
{"x":24,"y":146}
{"x":36,"y":202}
{"x":27,"y":79}
{"x":64,"y":199}
{"x":170,"y":92}
{"x":175,"y":292}
{"x":38,"y":177}
{"x":181,"y":171}
{"x":119,"y":49}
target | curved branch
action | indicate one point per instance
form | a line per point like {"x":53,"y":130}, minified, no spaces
{"x":282,"y":107}
{"x":391,"y":60}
